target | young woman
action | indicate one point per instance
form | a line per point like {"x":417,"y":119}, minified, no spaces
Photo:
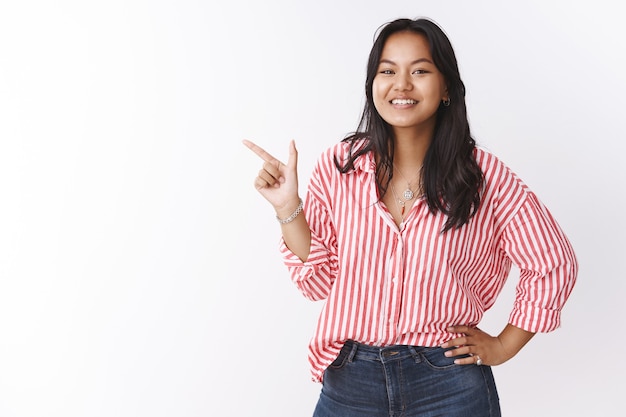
{"x":408,"y":232}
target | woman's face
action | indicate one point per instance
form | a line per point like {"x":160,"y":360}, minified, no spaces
{"x":408,"y":88}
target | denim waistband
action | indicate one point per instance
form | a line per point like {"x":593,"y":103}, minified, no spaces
{"x":359,"y":351}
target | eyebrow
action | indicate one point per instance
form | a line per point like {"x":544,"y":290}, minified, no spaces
{"x":417,"y":61}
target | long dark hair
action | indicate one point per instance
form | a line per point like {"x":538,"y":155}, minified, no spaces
{"x":451,"y":178}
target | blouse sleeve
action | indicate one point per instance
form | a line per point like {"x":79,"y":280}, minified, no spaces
{"x":548,"y":267}
{"x":315,"y":277}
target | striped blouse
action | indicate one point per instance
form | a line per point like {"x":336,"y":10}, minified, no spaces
{"x":383,"y":284}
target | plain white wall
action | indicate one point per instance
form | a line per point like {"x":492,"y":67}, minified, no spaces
{"x":139,"y":269}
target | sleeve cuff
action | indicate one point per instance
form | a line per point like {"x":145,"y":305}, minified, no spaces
{"x":534,"y":319}
{"x":317,"y":255}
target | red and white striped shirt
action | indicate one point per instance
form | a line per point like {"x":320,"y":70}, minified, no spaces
{"x":385,"y":284}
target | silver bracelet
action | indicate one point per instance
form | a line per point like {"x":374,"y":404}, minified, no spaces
{"x":292,"y":216}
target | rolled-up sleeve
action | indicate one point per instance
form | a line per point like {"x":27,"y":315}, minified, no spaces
{"x":548,"y":267}
{"x":315,"y":276}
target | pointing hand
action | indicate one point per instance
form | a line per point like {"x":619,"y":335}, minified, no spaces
{"x":278,"y":182}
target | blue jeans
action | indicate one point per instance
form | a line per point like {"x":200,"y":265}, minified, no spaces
{"x":405,"y":381}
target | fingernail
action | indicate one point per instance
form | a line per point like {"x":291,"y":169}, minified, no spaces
{"x":448,"y":353}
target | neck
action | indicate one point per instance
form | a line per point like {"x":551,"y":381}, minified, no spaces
{"x":410,"y":146}
{"x":409,"y":153}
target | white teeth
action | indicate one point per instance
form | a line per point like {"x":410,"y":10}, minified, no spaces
{"x":403,"y":101}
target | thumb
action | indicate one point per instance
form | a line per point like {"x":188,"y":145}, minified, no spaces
{"x":292,"y":162}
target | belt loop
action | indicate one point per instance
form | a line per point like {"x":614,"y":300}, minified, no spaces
{"x":353,"y":351}
{"x":415,"y":354}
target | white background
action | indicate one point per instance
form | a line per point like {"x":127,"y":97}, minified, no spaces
{"x":139,"y":268}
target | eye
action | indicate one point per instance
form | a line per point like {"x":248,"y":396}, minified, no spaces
{"x":386,"y":71}
{"x":420,"y":71}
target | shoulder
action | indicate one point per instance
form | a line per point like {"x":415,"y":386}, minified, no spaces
{"x":503,"y":191}
{"x":495,"y":171}
{"x":342,"y":151}
{"x":344,"y":148}
{"x":487,"y":161}
{"x":327,"y":175}
{"x":339,"y":150}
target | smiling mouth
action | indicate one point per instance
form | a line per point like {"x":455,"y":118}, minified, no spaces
{"x":403,"y":101}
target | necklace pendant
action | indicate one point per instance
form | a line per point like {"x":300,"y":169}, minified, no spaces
{"x":402,"y":207}
{"x":408,"y":194}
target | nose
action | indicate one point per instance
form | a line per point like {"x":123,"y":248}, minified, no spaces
{"x":402,"y":82}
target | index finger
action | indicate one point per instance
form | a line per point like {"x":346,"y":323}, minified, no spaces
{"x":260,"y":151}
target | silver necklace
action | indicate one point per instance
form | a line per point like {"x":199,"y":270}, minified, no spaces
{"x":408,"y":194}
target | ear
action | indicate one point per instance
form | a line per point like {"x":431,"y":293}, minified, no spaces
{"x":446,"y":98}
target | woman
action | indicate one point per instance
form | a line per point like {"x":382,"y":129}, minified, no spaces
{"x":408,"y":233}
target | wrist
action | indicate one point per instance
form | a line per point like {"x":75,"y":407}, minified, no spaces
{"x":513,"y":339}
{"x":290,"y":211}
